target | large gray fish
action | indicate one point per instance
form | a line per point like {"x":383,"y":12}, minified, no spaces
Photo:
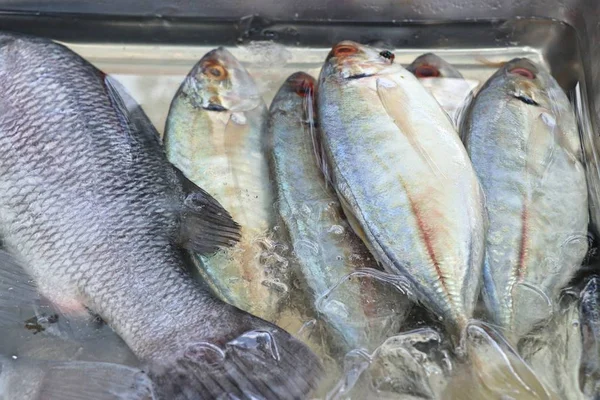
{"x":97,"y":216}
{"x":445,"y":83}
{"x":404,"y":177}
{"x":522,"y":137}
{"x":359,"y":309}
{"x":215,"y":134}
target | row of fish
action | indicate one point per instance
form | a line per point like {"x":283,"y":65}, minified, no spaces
{"x":426,"y":223}
{"x":364,"y":169}
{"x":373,"y":141}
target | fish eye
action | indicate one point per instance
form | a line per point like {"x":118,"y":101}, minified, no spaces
{"x":215,"y":70}
{"x":344,"y":50}
{"x":387,"y":55}
{"x":427,"y":71}
{"x":523,"y":72}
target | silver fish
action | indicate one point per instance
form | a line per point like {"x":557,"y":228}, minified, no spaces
{"x":589,"y":315}
{"x":404,"y":178}
{"x":360,"y":310}
{"x":91,"y":208}
{"x":215,"y":134}
{"x":522,"y":137}
{"x":445,"y":83}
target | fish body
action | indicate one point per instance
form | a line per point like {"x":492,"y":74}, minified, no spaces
{"x":215,"y":136}
{"x":99,"y":219}
{"x":360,"y":311}
{"x":521,"y":135}
{"x":445,"y":83}
{"x":403,"y":177}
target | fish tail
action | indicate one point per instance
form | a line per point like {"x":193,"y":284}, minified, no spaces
{"x":265,"y":362}
{"x":493,"y":368}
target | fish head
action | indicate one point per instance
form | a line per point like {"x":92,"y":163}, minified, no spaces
{"x":350,"y":60}
{"x":301,"y":84}
{"x":219,"y":82}
{"x":298,"y":87}
{"x":529,"y":83}
{"x":430,"y":65}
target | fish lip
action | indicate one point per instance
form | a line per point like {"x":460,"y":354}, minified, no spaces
{"x":358,"y":76}
{"x":214,"y":107}
{"x":526,"y":99}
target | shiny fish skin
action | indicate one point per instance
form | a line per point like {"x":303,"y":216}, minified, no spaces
{"x":326,"y":249}
{"x":521,"y":134}
{"x":215,"y":136}
{"x":402,"y":173}
{"x":93,"y":210}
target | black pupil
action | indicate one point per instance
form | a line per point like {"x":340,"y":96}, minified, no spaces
{"x":386,"y":54}
{"x":215,"y":72}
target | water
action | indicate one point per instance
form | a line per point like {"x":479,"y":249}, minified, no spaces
{"x":412,"y":362}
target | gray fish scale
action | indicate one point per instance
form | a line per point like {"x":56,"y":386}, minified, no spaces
{"x":65,"y":201}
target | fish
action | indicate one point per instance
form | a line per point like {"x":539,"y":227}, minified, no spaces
{"x":554,"y":351}
{"x":445,"y":83}
{"x":589,"y":316}
{"x":31,"y":379}
{"x":215,"y":134}
{"x":403,"y":178}
{"x":521,"y":134}
{"x":103,"y":223}
{"x":360,"y":310}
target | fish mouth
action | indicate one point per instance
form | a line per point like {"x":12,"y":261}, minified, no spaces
{"x":526,"y":99}
{"x":214,"y":107}
{"x":358,"y":76}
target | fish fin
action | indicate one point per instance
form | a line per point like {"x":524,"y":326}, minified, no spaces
{"x":392,"y":97}
{"x":495,"y":369}
{"x":239,"y":118}
{"x":561,"y":140}
{"x":540,"y":150}
{"x":73,"y":380}
{"x":234,"y":131}
{"x":461,"y":111}
{"x":265,"y":363}
{"x":309,"y":106}
{"x":354,"y":222}
{"x":131,"y":114}
{"x":205,"y":226}
{"x":530,"y":304}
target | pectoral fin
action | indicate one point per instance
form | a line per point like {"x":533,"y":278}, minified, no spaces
{"x":205,"y":226}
